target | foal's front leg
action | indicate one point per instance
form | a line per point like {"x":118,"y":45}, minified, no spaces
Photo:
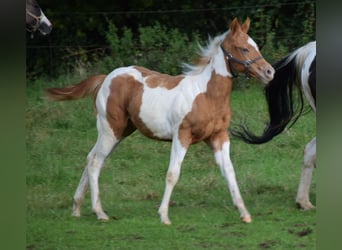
{"x":221,"y":147}
{"x":177,"y":155}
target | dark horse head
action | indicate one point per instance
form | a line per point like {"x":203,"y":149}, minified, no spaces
{"x":35,"y":18}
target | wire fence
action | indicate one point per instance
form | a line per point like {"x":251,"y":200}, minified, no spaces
{"x":75,"y":50}
{"x":106,"y":13}
{"x":163,"y":12}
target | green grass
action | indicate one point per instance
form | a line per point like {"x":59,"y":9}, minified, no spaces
{"x":60,"y":135}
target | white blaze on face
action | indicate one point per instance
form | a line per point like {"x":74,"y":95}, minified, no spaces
{"x":252,"y":43}
{"x":44,"y":19}
{"x":45,"y":25}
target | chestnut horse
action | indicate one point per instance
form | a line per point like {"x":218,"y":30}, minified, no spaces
{"x":296,"y":71}
{"x":184,"y":109}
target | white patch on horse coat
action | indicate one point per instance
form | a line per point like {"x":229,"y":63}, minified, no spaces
{"x":219,"y":64}
{"x":163,"y":110}
{"x":306,"y":73}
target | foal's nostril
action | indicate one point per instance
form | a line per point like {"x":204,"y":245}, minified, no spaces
{"x":270,"y":72}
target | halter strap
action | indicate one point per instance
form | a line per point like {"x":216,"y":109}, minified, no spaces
{"x":247,"y":64}
{"x":36,"y":18}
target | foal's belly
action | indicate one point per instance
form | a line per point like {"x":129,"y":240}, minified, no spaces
{"x":161,"y":112}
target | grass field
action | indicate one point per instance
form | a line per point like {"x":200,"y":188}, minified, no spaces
{"x":60,"y":135}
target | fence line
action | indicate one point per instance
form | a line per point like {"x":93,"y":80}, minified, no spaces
{"x":182,"y":10}
{"x":106,"y":46}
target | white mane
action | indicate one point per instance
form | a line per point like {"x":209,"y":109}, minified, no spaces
{"x":206,"y":55}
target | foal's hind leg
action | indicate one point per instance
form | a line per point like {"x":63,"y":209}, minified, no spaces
{"x":302,"y":199}
{"x":104,"y":145}
{"x":80,"y":193}
{"x":82,"y":187}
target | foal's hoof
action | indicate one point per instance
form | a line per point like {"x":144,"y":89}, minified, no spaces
{"x":76,"y":214}
{"x":102,"y":217}
{"x":76,"y":211}
{"x":305,"y":205}
{"x":166,"y":222}
{"x":164,"y":218}
{"x":246,"y":219}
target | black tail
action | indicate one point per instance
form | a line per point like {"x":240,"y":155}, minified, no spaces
{"x":284,"y":104}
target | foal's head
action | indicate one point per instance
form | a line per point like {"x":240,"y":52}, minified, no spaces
{"x":242,"y":53}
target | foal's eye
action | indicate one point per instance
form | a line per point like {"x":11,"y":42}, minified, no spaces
{"x":245,"y":50}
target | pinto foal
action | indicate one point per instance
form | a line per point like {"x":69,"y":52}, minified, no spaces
{"x":184,"y":109}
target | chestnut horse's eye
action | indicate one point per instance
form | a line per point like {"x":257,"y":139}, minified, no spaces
{"x":245,"y":50}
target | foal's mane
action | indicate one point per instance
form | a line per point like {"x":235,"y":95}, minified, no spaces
{"x":206,"y":55}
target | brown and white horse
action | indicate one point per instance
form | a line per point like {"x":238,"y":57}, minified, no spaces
{"x":296,"y":71}
{"x":184,"y":109}
{"x":36,"y":19}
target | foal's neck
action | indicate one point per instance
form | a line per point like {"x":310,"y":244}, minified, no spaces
{"x":219,"y":86}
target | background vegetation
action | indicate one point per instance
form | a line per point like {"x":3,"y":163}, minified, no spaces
{"x":98,"y":36}
{"x":86,"y":33}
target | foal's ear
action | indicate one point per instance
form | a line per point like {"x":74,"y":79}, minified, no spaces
{"x":245,"y":25}
{"x":234,"y":25}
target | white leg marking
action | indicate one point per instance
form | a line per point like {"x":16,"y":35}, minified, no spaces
{"x":82,"y":187}
{"x":80,"y":193}
{"x":222,"y":158}
{"x":177,"y":155}
{"x":102,"y":149}
{"x":104,"y":145}
{"x":305,"y":179}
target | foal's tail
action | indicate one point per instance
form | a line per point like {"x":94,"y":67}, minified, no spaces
{"x":89,"y":86}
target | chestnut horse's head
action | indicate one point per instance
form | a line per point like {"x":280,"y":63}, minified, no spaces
{"x":242,"y":53}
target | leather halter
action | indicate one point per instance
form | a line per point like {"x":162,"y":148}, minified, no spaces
{"x":229,"y":57}
{"x":37,"y":21}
